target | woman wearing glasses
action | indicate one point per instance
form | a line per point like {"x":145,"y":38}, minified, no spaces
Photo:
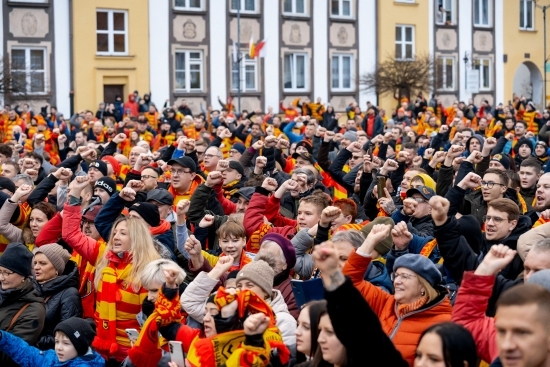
{"x":419,"y":300}
{"x":22,"y":311}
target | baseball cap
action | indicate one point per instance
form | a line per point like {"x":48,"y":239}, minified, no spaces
{"x":161,"y":196}
{"x":305,"y":155}
{"x":184,"y":162}
{"x":6,"y":183}
{"x":425,"y":191}
{"x":91,"y":212}
{"x":246,"y":192}
{"x":237,"y":166}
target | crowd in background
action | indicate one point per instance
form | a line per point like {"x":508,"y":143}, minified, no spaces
{"x":303,"y":236}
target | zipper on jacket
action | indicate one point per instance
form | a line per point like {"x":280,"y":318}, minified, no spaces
{"x":396,"y":327}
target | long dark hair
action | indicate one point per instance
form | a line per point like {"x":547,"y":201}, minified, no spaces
{"x":457,"y":342}
{"x":318,"y":360}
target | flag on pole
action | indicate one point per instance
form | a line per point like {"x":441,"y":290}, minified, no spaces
{"x":251,"y":47}
{"x":259,"y":49}
{"x":235,"y":57}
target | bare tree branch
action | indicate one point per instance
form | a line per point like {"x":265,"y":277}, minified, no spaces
{"x":401,"y":78}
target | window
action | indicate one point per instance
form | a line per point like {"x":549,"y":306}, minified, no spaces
{"x":445,"y":73}
{"x":246,"y":6}
{"x":526,"y":14}
{"x":295,"y":7}
{"x":445,"y":14}
{"x":295,"y":72}
{"x":188,"y":68}
{"x":341,"y":8}
{"x":112,"y":32}
{"x":484,"y":67}
{"x":188,"y":4}
{"x":481,"y":13}
{"x":404,"y":42}
{"x":32,"y":1}
{"x":342,"y":66}
{"x":28,"y":68}
{"x":249,"y":75}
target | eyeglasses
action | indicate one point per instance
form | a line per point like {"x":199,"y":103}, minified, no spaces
{"x":496,"y":220}
{"x":490,"y":184}
{"x":233,"y":151}
{"x":145,"y":177}
{"x":5,"y":274}
{"x":210,"y":155}
{"x":178,"y":172}
{"x":404,"y":277}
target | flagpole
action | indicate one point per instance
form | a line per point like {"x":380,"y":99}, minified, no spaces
{"x":239,"y":58}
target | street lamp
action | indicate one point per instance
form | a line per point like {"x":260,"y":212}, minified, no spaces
{"x":465,"y":59}
{"x":544,"y":7}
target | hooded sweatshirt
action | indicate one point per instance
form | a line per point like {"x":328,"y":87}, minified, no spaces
{"x":131,"y":105}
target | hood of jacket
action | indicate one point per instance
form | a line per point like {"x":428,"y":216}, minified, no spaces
{"x":27,"y":294}
{"x":90,"y":359}
{"x":69,"y":278}
{"x":478,"y":138}
{"x":278,"y":303}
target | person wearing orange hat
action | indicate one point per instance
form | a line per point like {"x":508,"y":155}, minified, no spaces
{"x":113,"y":166}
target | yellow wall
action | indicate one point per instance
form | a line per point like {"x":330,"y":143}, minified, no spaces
{"x":390,"y":14}
{"x":91,"y":71}
{"x":517,"y":43}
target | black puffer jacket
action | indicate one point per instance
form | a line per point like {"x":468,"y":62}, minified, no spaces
{"x":62,"y":302}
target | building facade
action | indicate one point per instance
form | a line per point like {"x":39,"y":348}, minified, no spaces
{"x":76,"y":54}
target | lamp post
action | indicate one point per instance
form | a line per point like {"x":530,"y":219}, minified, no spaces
{"x":544,"y":7}
{"x":466,"y":59}
{"x":239,"y":56}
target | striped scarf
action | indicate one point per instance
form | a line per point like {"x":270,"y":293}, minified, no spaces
{"x":213,"y":351}
{"x":541,"y":221}
{"x":110,"y":295}
{"x":253,"y":244}
{"x":229,"y":190}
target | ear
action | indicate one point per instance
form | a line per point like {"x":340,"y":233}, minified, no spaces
{"x":239,"y":176}
{"x":513,"y":224}
{"x":503,"y":189}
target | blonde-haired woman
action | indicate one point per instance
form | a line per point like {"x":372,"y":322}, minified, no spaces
{"x":119,"y":294}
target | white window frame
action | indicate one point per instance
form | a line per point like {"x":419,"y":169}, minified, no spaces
{"x":403,"y":42}
{"x":340,"y":87}
{"x":452,"y":10}
{"x":405,"y":1}
{"x":489,"y":14}
{"x":111,"y":32}
{"x":28,"y":70}
{"x":294,"y":79}
{"x":188,"y":63}
{"x":187,"y":7}
{"x":443,"y":60}
{"x":489,"y":70}
{"x":525,"y":4}
{"x":243,"y":10}
{"x":340,"y":9}
{"x":243,"y":64}
{"x":293,"y":11}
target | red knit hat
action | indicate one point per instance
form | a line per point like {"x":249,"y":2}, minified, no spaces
{"x":114,"y":163}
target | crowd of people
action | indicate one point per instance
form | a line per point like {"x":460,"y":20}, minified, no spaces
{"x":305,"y":237}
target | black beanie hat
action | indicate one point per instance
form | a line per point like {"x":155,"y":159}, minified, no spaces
{"x":106,"y":183}
{"x":100,"y":165}
{"x":18,"y":259}
{"x":149,"y":212}
{"x":81,"y":332}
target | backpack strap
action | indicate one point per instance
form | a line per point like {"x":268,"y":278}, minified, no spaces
{"x":12,"y":322}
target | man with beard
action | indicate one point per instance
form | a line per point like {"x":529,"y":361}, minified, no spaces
{"x":542,"y":201}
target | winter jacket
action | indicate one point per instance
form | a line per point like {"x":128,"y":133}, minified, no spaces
{"x":532,"y":236}
{"x":423,"y":227}
{"x":195,"y":295}
{"x":285,"y":322}
{"x":349,"y":313}
{"x":404,"y":331}
{"x":29,"y":324}
{"x":27,"y":356}
{"x":131,"y":106}
{"x":285,"y":288}
{"x":469,"y":311}
{"x":62,"y":302}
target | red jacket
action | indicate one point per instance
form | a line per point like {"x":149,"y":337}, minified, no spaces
{"x":469,"y":311}
{"x":131,"y":105}
{"x":405,"y":331}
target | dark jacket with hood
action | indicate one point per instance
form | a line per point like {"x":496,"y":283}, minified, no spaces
{"x":475,"y":136}
{"x":62,"y":302}
{"x":459,"y":256}
{"x":29,"y":324}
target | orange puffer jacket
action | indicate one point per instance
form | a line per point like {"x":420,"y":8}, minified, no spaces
{"x":405,"y":331}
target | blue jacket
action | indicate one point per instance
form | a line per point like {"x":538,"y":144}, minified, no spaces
{"x":111,"y":211}
{"x":415,"y":247}
{"x":293,"y":138}
{"x":27,"y":356}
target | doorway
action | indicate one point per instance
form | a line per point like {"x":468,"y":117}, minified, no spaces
{"x":110,"y":91}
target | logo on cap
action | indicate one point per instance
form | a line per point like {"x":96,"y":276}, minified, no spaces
{"x":426,"y":191}
{"x":104,"y":185}
{"x":77,"y":334}
{"x":498,"y":157}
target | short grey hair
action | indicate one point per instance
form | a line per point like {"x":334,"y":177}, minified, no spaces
{"x":23,"y":176}
{"x":154,"y":272}
{"x":354,"y":237}
{"x":310,"y":175}
{"x":542,"y":245}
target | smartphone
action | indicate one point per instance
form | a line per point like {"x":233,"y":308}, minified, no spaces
{"x":176,"y":353}
{"x":381,"y":185}
{"x":133,"y":335}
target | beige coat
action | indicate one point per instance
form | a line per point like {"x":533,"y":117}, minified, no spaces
{"x":534,"y":235}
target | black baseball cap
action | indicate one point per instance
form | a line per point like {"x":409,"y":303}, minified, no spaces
{"x":305,"y":155}
{"x":237,"y":166}
{"x":246,"y":192}
{"x":184,"y":162}
{"x":425,"y":191}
